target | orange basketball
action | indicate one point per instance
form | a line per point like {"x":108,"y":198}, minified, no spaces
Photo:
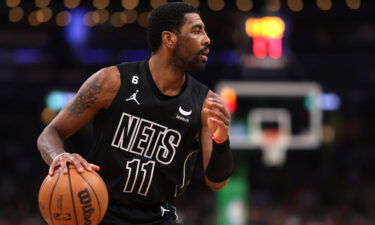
{"x":74,"y":198}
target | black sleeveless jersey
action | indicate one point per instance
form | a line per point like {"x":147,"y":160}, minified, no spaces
{"x":146,"y":141}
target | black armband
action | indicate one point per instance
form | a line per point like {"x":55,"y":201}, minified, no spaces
{"x":221,"y":165}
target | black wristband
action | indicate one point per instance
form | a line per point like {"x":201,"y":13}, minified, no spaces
{"x":225,"y":146}
{"x":220,"y":166}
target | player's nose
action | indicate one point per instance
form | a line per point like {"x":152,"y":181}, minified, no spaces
{"x":206,"y":40}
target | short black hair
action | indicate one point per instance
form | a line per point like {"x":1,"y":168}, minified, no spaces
{"x":167,"y":17}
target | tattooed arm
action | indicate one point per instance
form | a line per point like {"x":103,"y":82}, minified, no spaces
{"x":96,"y":93}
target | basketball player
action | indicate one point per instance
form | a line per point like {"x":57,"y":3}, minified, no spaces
{"x":148,"y":116}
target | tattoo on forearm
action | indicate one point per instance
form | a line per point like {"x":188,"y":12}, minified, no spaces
{"x":85,"y":98}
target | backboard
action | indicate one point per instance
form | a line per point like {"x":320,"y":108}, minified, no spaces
{"x":290,"y":107}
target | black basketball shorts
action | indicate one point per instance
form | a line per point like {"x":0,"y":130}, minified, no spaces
{"x":140,"y":215}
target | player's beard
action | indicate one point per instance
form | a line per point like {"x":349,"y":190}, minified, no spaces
{"x":187,"y":59}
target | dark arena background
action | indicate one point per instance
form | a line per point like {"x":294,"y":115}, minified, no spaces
{"x":297,"y":75}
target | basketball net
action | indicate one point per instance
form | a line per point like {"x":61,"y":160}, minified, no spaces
{"x":274,"y":143}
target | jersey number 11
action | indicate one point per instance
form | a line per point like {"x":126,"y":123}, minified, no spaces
{"x":138,"y":170}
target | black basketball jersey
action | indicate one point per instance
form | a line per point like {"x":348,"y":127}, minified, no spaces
{"x":146,"y":141}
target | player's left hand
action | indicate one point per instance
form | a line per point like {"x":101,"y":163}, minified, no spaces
{"x":218,"y":118}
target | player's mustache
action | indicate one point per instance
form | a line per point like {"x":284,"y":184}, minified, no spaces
{"x":203,"y":50}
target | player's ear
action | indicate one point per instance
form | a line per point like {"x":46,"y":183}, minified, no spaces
{"x":169,"y":39}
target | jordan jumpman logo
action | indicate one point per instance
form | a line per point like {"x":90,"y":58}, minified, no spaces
{"x":163,"y":210}
{"x":133,"y":97}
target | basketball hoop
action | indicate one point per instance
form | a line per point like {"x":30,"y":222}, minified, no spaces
{"x":274,"y":144}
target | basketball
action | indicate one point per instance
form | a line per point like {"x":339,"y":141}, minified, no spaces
{"x":73,"y":198}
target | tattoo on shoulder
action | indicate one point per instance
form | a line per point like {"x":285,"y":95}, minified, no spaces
{"x":85,"y":98}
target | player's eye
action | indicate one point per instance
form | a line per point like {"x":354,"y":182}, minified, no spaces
{"x":197,"y":31}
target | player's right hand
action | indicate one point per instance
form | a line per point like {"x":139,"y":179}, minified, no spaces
{"x":78,"y":161}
